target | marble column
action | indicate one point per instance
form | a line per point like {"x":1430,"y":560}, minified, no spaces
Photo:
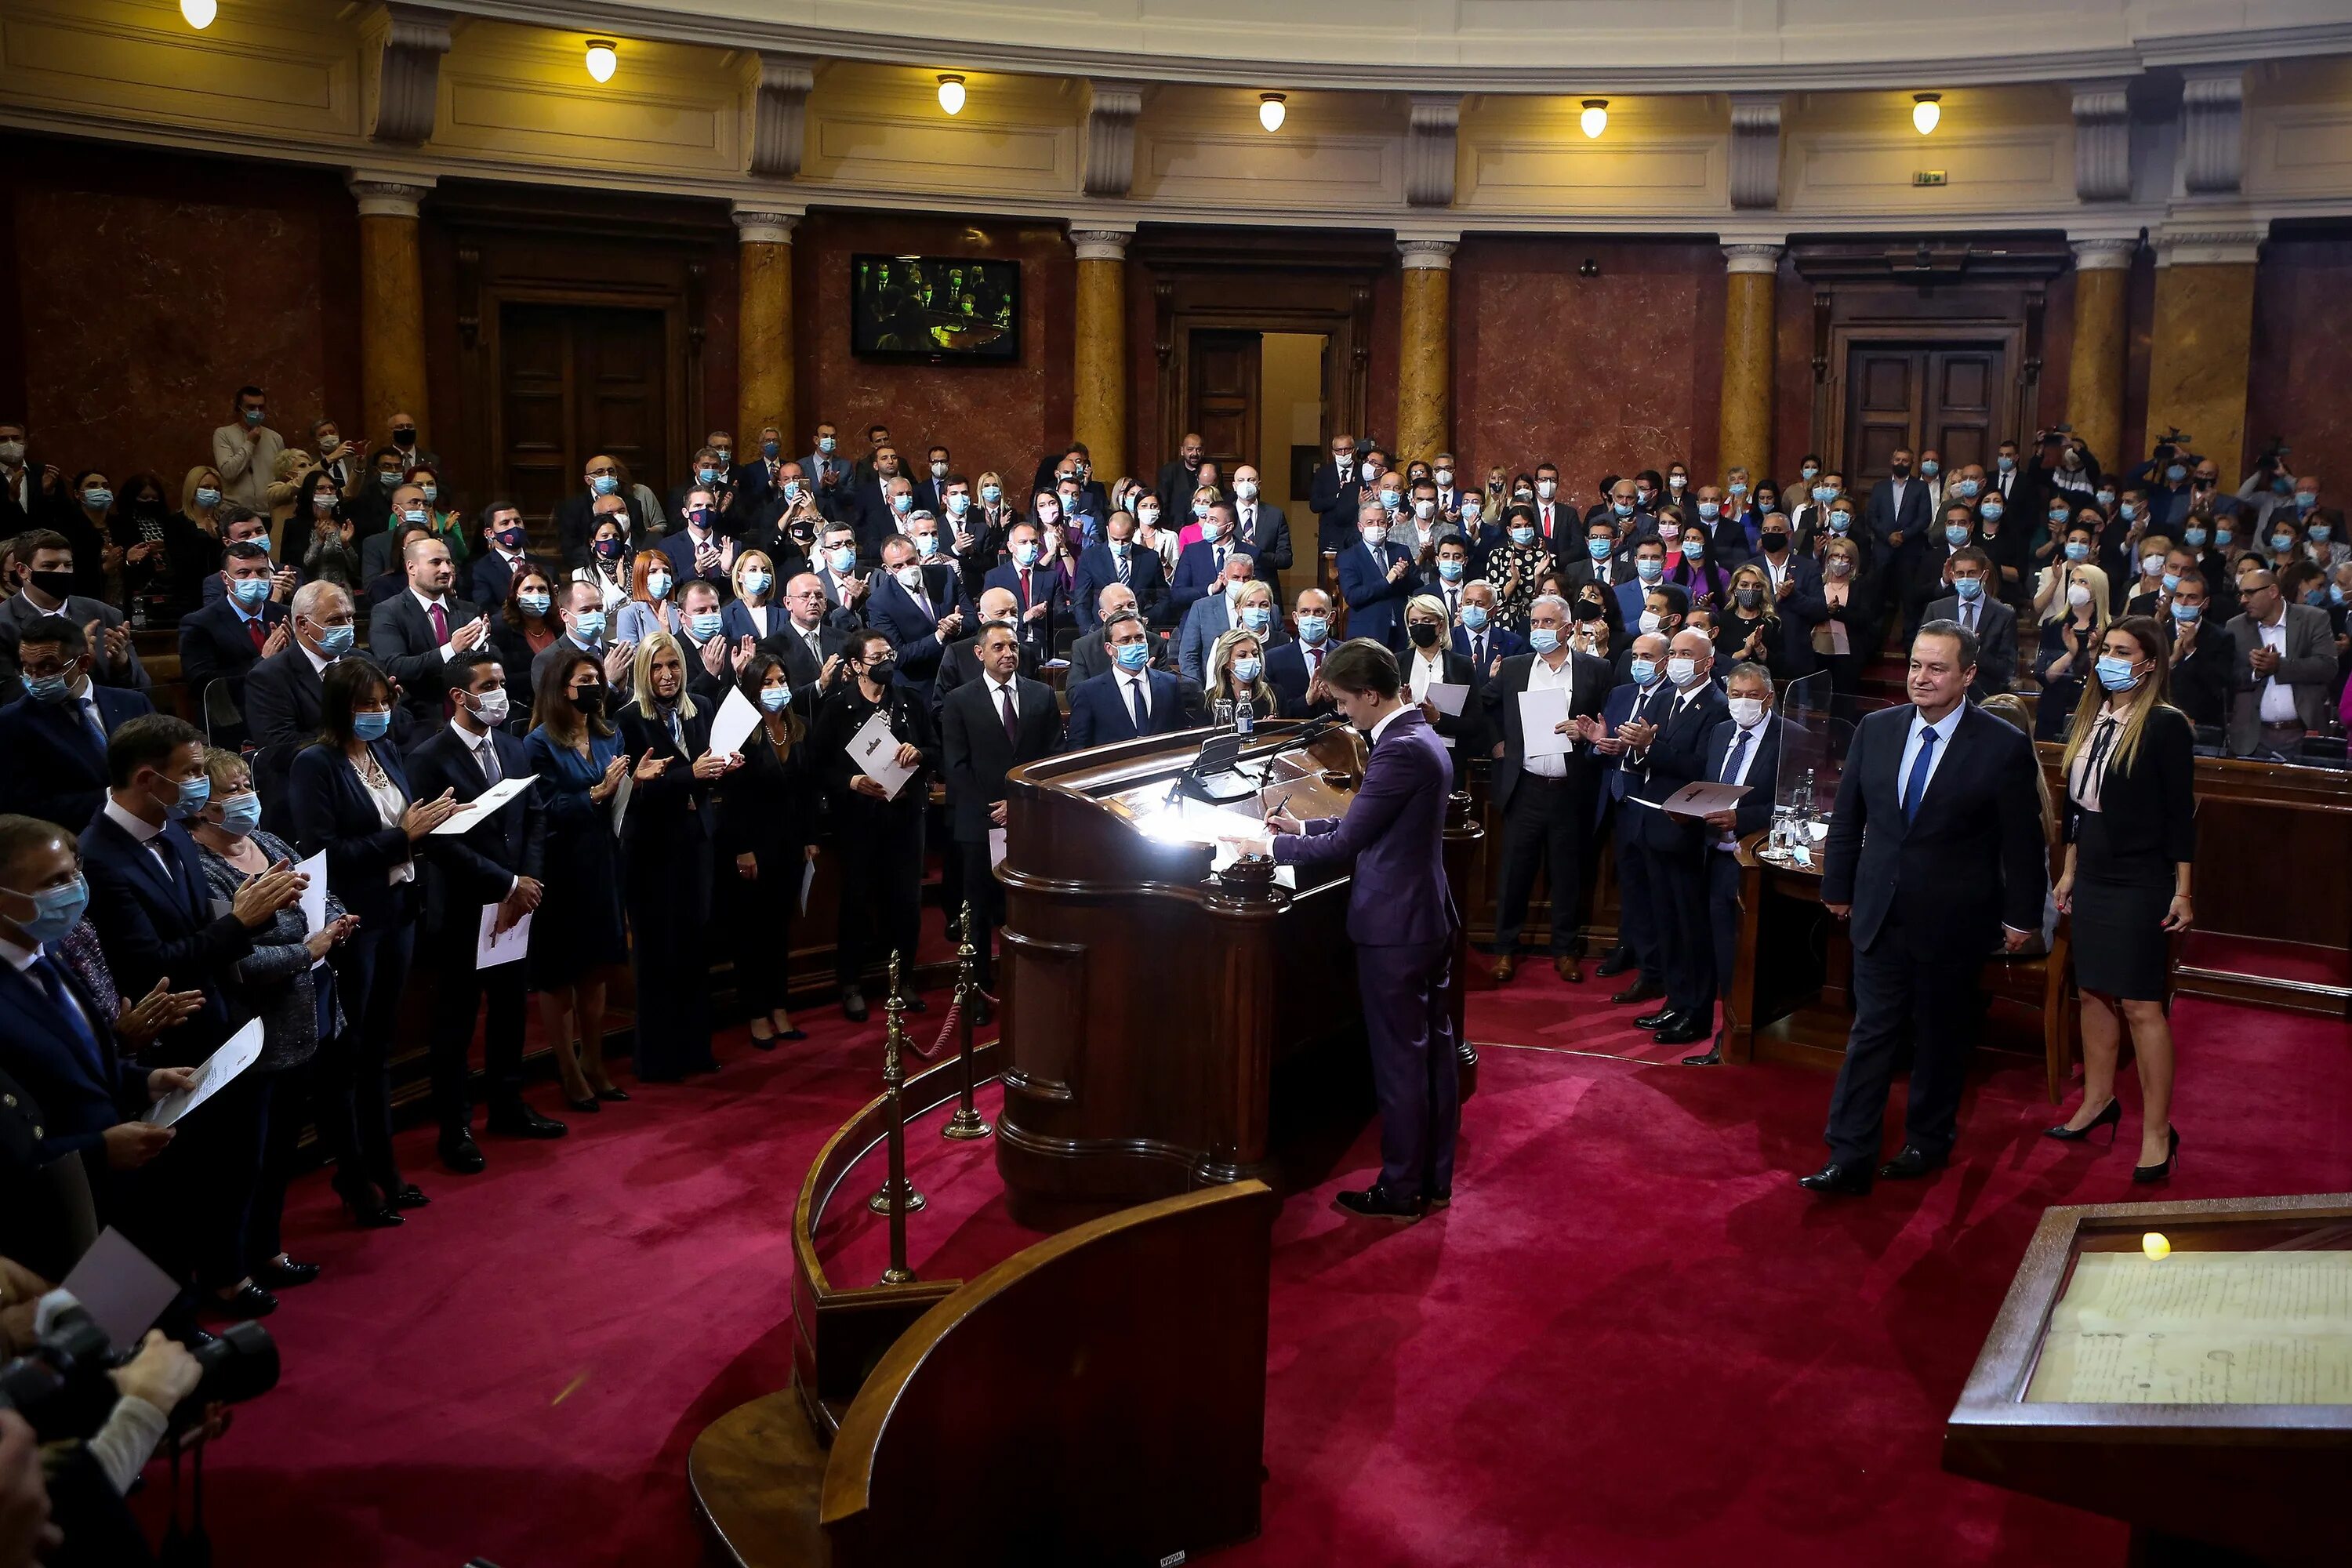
{"x":2202,"y":341}
{"x":392,"y":305}
{"x":1098,"y":371}
{"x":2095,"y":373}
{"x":763,"y":326}
{"x":1425,"y":357}
{"x":1746,"y":431}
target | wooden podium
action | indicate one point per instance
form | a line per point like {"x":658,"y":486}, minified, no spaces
{"x":1145,"y":1003}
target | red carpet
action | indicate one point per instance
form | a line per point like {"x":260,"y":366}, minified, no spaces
{"x":1632,"y":1340}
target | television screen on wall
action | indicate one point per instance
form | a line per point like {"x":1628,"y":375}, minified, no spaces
{"x":941,"y":309}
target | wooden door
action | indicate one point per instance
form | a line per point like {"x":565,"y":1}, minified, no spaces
{"x":576,"y":382}
{"x":1919,"y":395}
{"x":1224,"y":398}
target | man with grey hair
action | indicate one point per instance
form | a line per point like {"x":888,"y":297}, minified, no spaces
{"x":283,"y":692}
{"x":960,"y":661}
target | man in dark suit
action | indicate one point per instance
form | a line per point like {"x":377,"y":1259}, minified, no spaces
{"x":1973,"y":606}
{"x":809,"y":641}
{"x":2204,"y":658}
{"x":54,"y":742}
{"x":1402,"y":918}
{"x":498,"y":860}
{"x":223,"y":640}
{"x":919,"y":608}
{"x":1178,"y":478}
{"x":697,"y":548}
{"x":416,"y":631}
{"x":1745,"y":749}
{"x":834,"y":566}
{"x":1201,"y":568}
{"x":1671,"y":755}
{"x":882,"y":500}
{"x":1935,"y":853}
{"x":1634,"y":708}
{"x":959,"y":664}
{"x":1331,"y":495}
{"x":506,"y":550}
{"x":242,"y":522}
{"x":1375,"y":578}
{"x":1293,"y":665}
{"x":45,"y":571}
{"x":1131,"y":699}
{"x":1040,"y":601}
{"x":576,"y":519}
{"x":1543,"y":799}
{"x":1476,"y":637}
{"x":283,"y":696}
{"x":988,"y":728}
{"x":1559,"y":524}
{"x":1090,"y":655}
{"x":1261,"y":523}
{"x":1897,"y":513}
{"x":1119,"y":561}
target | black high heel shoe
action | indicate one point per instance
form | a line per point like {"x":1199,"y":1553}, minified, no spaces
{"x":586,"y":1104}
{"x":615,"y":1093}
{"x":2110,"y":1119}
{"x":371,"y":1213}
{"x":2147,"y":1175}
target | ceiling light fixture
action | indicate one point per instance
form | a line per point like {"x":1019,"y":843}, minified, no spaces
{"x":1270,"y":111}
{"x":200,"y":13}
{"x":1595,"y":118}
{"x":952,"y":93}
{"x":1927,"y":108}
{"x":603,"y":58}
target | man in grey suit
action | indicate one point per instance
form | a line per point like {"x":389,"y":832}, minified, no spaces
{"x":2285,"y":671}
{"x":1972,"y":605}
{"x":1212,"y":616}
{"x":45,"y":574}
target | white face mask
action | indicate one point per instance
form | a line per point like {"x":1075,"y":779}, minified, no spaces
{"x":1544,"y":487}
{"x":1424,"y":508}
{"x":910,"y":577}
{"x":1444,"y":478}
{"x":1746,"y":711}
{"x":490,"y":707}
{"x":1245,"y":488}
{"x":1649,"y":622}
{"x":2078,"y":595}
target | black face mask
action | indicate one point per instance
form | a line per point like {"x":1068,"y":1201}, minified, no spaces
{"x":1749,"y":598}
{"x":588,"y":698}
{"x":1424,"y":635}
{"x":1774,"y":543}
{"x":56,"y":584}
{"x":880,"y":672}
{"x":1901,"y":470}
{"x":405,"y":436}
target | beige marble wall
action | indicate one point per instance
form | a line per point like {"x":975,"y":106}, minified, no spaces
{"x":2201,"y":347}
{"x":764,"y":335}
{"x":1426,"y":366}
{"x":1098,"y":380}
{"x":1748,"y":356}
{"x":392,"y":326}
{"x":2095,"y":374}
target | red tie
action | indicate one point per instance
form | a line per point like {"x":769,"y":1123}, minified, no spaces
{"x":1025,"y":587}
{"x":440,"y":623}
{"x":252,"y":629}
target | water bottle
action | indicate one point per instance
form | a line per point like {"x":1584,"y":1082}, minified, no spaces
{"x":1245,"y":715}
{"x":1222,"y":715}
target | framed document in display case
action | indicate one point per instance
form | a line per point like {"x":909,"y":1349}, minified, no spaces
{"x":2184,"y":1367}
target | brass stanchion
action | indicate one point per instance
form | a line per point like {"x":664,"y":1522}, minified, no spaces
{"x":966,"y":1122}
{"x":898,"y":1197}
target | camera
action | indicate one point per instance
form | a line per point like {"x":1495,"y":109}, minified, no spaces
{"x":61,"y":1388}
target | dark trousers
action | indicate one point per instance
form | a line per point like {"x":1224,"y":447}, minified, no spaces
{"x":283,"y":1096}
{"x":986,"y":896}
{"x":757,"y":919}
{"x":1641,"y":903}
{"x":1678,"y":877}
{"x":352,"y":1077}
{"x":1934,"y":1001}
{"x":1723,"y":914}
{"x":1543,"y":829}
{"x":1410,"y":1030}
{"x":881,"y":890}
{"x":459,"y":990}
{"x":669,"y":899}
{"x":189,"y":1212}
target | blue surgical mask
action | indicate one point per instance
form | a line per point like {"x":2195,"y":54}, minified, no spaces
{"x":959,"y":504}
{"x":207,"y":496}
{"x":1523,"y":534}
{"x":2171,"y":581}
{"x":605,"y":484}
{"x":824,"y":444}
{"x":336,"y":641}
{"x":841,"y":560}
{"x":2223,"y":538}
{"x":589,"y":624}
{"x":48,"y":688}
{"x":1313,"y":629}
{"x":2304,"y":500}
{"x":772,"y":451}
{"x":1969,"y":587}
{"x":792,"y":491}
{"x":926,"y":545}
{"x":2077,"y":550}
{"x":2106,"y":497}
{"x":1840,"y":523}
{"x":430,"y":492}
{"x":2321,"y":532}
{"x":1132,"y":655}
{"x":1543,"y":639}
{"x":1643,"y":670}
{"x":1930,"y":467}
{"x":1694,"y":549}
{"x":903,"y":503}
{"x":1824,"y":494}
{"x":532,"y":604}
{"x":703,"y":625}
{"x":2185,"y":615}
{"x":1955,"y":534}
{"x":55,"y":911}
{"x":757,"y":582}
{"x":1025,"y":555}
{"x":1649,"y":569}
{"x":2176,"y":473}
{"x":389,"y":480}
{"x":2129,"y":510}
{"x":240,"y":814}
{"x":1710,"y":509}
{"x":1449,"y":570}
{"x":2058,"y":517}
{"x":774,"y":698}
{"x":1623,"y":509}
{"x":990,"y":495}
{"x":1968,"y":489}
{"x":706,"y":476}
{"x":98,"y":500}
{"x":1257,"y":618}
{"x":372,"y":726}
{"x":1738,"y":487}
{"x":2116,"y":674}
{"x":193,"y":794}
{"x":416,"y":516}
{"x":1599,"y":549}
{"x":1473,"y":617}
{"x":1991,"y":511}
{"x":1246,"y":670}
{"x":2282,"y":542}
{"x":2004,"y":462}
{"x":250,"y":592}
{"x":657,"y":585}
{"x":2193,"y":537}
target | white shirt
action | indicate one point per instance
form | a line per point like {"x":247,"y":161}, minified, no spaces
{"x":140,"y":829}
{"x":1744,"y":756}
{"x":480,"y":746}
{"x":998,"y":690}
{"x":448,"y":651}
{"x":1944,"y":728}
{"x":1542,"y":677}
{"x":759,"y":614}
{"x":1424,"y":671}
{"x":2084,"y":780}
{"x":1137,"y":695}
{"x":2278,"y":699}
{"x":1377,"y":730}
{"x":389,"y":804}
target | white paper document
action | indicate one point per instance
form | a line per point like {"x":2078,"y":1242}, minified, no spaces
{"x":995,"y":848}
{"x":2200,"y":1328}
{"x":874,"y":750}
{"x":738,"y":716}
{"x":1540,"y":712}
{"x":621,"y":793}
{"x":479,"y":809}
{"x":1448,"y":697}
{"x":314,"y":896}
{"x":241,"y":1051}
{"x":493,"y":947}
{"x":120,"y":1288}
{"x":1703,"y":799}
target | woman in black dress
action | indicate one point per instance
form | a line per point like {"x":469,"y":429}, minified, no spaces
{"x":2131,"y":835}
{"x":767,"y":837}
{"x":577,"y":938}
{"x":878,"y":835}
{"x":665,"y":848}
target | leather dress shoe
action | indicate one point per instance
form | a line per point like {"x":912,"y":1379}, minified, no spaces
{"x":280,"y":1276}
{"x":1852,"y":1179}
{"x":1640,"y":991}
{"x":521,"y":1121}
{"x":915,"y":1005}
{"x":461,"y":1154}
{"x":1569,"y":969}
{"x":1911,"y":1164}
{"x":1505,"y":967}
{"x":1710,"y":1057}
{"x":410,"y":1197}
{"x":1379,"y":1202}
{"x":1663,"y":1018}
{"x":1616,"y":963}
{"x":193,"y":1337}
{"x":249,"y":1301}
{"x":1683,"y":1032}
{"x":853,"y":1004}
{"x":981,"y":1014}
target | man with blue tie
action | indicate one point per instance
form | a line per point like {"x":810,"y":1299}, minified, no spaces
{"x":1630,"y":715}
{"x":1130,"y":699}
{"x":1375,"y":578}
{"x":224,"y":641}
{"x":1744,"y":750}
{"x":1042,"y":602}
{"x":1201,"y":569}
{"x":1476,"y":637}
{"x":1118,"y":561}
{"x":918,"y":607}
{"x":1934,"y":854}
{"x":55,"y":740}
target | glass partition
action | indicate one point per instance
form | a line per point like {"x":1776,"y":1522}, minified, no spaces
{"x":1816,"y":733}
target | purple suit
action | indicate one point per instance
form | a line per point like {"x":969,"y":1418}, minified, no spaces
{"x":1402,"y":918}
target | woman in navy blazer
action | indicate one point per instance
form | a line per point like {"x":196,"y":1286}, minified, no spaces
{"x":347,"y":796}
{"x":666,"y":844}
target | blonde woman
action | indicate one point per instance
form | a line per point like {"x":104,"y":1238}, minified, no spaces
{"x":2073,"y":603}
{"x":755,"y":610}
{"x":1747,"y":623}
{"x":2130,"y":831}
{"x":1236,"y":668}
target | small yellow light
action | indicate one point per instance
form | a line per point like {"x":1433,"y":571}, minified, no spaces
{"x":1927,"y":108}
{"x":1270,"y":111}
{"x":2155,"y":1244}
{"x":1595,"y":118}
{"x":200,"y":13}
{"x":952,"y":93}
{"x":603,"y":58}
